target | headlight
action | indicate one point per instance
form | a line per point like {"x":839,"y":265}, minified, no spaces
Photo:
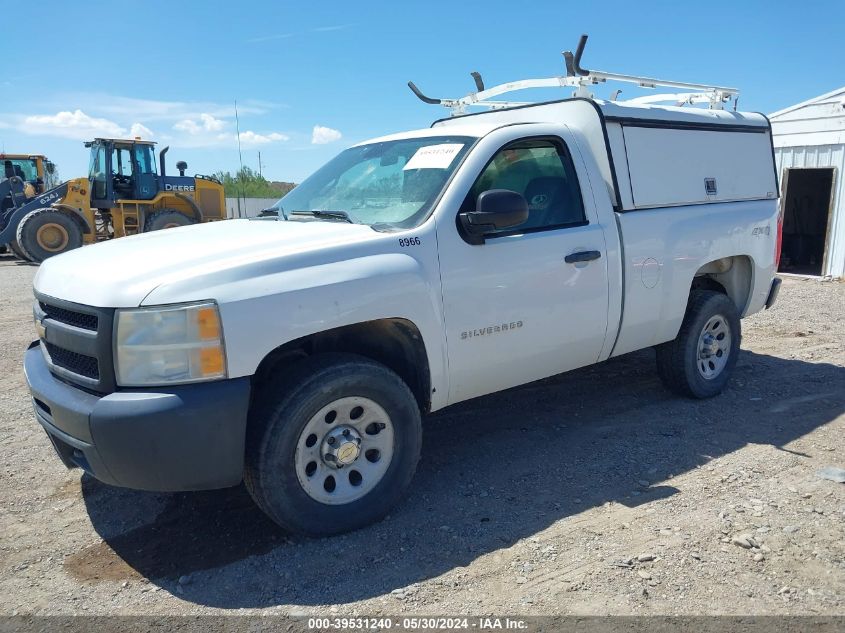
{"x":170,"y":345}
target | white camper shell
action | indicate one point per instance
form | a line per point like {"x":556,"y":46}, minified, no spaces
{"x":661,"y":156}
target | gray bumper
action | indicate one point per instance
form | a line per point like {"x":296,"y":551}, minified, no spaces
{"x":187,"y":437}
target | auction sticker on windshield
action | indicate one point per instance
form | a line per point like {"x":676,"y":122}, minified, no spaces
{"x":434,"y":156}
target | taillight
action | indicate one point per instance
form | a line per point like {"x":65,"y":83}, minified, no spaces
{"x":778,"y":240}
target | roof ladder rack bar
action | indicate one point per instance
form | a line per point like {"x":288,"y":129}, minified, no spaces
{"x":581,"y":79}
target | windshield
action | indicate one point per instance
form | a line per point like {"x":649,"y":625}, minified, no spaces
{"x":23,"y":168}
{"x":394,"y":182}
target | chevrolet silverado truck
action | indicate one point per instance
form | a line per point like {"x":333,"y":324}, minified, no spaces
{"x":298,"y":351}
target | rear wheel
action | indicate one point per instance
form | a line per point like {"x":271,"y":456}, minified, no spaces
{"x":335,"y":448}
{"x":167,"y":219}
{"x":44,"y":233}
{"x":699,"y":362}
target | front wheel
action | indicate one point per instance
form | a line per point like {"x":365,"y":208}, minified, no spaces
{"x":333,"y":445}
{"x":699,"y":362}
{"x":46,"y":232}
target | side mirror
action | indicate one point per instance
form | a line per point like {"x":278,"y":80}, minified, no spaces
{"x":495,"y":209}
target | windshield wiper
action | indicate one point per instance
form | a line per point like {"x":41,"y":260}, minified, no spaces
{"x":334,"y":215}
{"x":272,"y":212}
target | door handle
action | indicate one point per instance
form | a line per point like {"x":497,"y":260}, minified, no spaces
{"x":582,"y":256}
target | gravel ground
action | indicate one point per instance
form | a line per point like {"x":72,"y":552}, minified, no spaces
{"x":590,"y":493}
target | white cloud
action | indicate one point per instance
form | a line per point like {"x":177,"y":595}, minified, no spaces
{"x":183,"y":124}
{"x":251,"y":138}
{"x":333,"y":27}
{"x":269,"y":38}
{"x":207,"y":123}
{"x":322,"y":135}
{"x":147,"y":110}
{"x":73,"y":125}
{"x":188,"y":125}
{"x":139,"y":129}
{"x":210,"y":123}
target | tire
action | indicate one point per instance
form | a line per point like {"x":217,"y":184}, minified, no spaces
{"x":167,"y":219}
{"x":18,"y":251}
{"x":699,"y":363}
{"x":44,"y":233}
{"x":279,"y":455}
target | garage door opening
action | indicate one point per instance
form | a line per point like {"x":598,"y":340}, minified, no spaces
{"x":806,"y":210}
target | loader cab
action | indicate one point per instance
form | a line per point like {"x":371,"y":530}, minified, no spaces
{"x":36,"y":171}
{"x":121,"y":170}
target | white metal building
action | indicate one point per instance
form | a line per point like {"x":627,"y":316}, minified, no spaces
{"x":809,"y":140}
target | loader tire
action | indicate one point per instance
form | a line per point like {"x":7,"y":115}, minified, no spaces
{"x":44,"y":233}
{"x":167,"y":219}
{"x":18,"y":251}
{"x":698,"y":363}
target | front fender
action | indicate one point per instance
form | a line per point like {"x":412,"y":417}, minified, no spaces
{"x":77,"y":215}
{"x":262,"y":312}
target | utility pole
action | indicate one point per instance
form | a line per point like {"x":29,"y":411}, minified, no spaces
{"x":260,"y":175}
{"x":240,"y":159}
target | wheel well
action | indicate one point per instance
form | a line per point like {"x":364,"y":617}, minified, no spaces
{"x":395,"y":343}
{"x":77,"y":217}
{"x":176,"y":201}
{"x":728,"y":275}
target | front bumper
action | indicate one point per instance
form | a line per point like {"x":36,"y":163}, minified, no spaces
{"x":186,"y":437}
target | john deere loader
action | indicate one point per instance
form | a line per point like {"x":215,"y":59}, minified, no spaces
{"x":124,"y":194}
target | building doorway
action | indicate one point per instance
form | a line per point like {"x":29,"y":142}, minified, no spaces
{"x":806,"y":213}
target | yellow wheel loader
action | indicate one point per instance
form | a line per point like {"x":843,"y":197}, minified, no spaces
{"x":125,"y":193}
{"x":37,"y":175}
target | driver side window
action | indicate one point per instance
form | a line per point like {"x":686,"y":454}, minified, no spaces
{"x":542,"y":171}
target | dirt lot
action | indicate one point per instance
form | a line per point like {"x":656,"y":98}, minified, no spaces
{"x":593,"y":492}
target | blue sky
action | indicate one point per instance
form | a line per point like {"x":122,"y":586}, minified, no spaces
{"x":311,"y":78}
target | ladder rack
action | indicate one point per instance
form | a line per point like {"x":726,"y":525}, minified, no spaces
{"x":581,"y":79}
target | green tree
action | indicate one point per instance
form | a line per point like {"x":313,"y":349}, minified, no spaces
{"x":247,"y":183}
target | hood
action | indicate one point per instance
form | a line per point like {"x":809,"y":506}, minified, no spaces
{"x":120,"y":273}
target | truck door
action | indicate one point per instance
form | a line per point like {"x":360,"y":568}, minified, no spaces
{"x":532,"y":301}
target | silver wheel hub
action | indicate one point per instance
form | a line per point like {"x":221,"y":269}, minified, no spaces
{"x":714,"y":347}
{"x":344,"y":450}
{"x":709,"y":346}
{"x":341,"y":446}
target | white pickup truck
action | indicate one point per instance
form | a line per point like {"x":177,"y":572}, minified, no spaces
{"x":297,"y":352}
